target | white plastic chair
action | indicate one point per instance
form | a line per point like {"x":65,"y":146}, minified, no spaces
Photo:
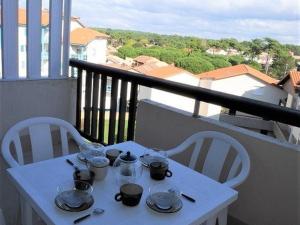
{"x":2,"y":220}
{"x":41,"y":146}
{"x":215,"y":159}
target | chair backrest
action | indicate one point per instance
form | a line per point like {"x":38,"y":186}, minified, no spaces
{"x":2,"y":221}
{"x":216,"y":156}
{"x":40,"y":138}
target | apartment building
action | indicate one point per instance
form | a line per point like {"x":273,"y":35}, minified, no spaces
{"x":85,"y":43}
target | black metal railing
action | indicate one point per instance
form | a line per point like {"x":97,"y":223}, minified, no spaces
{"x":122,"y":114}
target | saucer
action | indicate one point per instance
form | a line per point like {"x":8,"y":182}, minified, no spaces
{"x":147,"y":159}
{"x":164,"y":202}
{"x":74,"y":200}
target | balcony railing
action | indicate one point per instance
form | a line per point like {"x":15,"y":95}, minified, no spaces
{"x":122,"y":110}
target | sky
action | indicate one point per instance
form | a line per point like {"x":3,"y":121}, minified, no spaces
{"x":240,"y":19}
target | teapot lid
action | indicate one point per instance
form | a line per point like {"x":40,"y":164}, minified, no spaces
{"x":128,"y":157}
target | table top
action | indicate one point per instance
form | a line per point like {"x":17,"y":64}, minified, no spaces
{"x":38,"y":183}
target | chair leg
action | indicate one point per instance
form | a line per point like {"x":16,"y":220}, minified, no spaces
{"x":26,"y":212}
{"x":222,"y":217}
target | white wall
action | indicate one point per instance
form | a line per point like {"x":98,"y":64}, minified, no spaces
{"x":246,"y":86}
{"x":174,"y":100}
{"x":75,"y":25}
{"x":96,"y":51}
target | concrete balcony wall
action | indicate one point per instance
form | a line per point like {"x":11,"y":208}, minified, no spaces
{"x":270,"y":195}
{"x":23,"y":99}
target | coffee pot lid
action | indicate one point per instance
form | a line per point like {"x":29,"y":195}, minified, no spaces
{"x":128,"y":157}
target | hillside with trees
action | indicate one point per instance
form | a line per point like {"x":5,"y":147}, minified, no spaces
{"x":190,"y":52}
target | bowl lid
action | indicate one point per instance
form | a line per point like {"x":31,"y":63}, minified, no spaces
{"x":99,"y":161}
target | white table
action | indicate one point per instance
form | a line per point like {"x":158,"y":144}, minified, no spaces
{"x":38,"y":183}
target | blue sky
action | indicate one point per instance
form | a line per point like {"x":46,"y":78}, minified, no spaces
{"x":241,"y":19}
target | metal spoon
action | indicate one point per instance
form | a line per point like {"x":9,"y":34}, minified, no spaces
{"x":96,"y":211}
{"x":72,"y":164}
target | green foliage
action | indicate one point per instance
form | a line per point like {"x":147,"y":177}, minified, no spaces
{"x":254,"y":65}
{"x":194,"y":64}
{"x":282,"y":63}
{"x":220,"y":63}
{"x":126,"y":51}
{"x":171,"y":55}
{"x":182,"y":49}
{"x":294,"y":48}
{"x":236,"y":60}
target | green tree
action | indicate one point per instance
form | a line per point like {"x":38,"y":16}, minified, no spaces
{"x":236,"y":60}
{"x":194,"y":64}
{"x":282,"y":63}
{"x":254,"y":65}
{"x":220,"y":63}
{"x":124,"y":52}
{"x":171,"y":55}
{"x":254,"y":48}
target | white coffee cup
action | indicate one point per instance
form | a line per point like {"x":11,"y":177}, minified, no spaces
{"x":99,"y":165}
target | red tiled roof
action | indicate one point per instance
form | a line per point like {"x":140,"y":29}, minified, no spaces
{"x":22,"y":17}
{"x":83,"y":36}
{"x":118,"y":66}
{"x":294,"y":76}
{"x":145,"y":59}
{"x":236,"y":71}
{"x":165,"y":72}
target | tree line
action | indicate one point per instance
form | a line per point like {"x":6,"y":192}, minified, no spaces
{"x":190,"y":52}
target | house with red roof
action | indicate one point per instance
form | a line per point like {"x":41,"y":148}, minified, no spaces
{"x":153,"y":67}
{"x":240,"y":80}
{"x":87,"y":44}
{"x":171,"y":73}
{"x":291,"y":84}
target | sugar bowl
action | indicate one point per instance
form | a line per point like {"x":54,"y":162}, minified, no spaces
{"x":99,"y":165}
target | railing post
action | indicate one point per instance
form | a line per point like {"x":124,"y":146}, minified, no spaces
{"x":78,"y":103}
{"x":9,"y":32}
{"x":132,"y":111}
{"x":196,"y":108}
{"x":232,"y":112}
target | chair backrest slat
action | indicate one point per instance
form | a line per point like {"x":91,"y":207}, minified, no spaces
{"x":234,"y":167}
{"x":64,"y":141}
{"x":215,"y":159}
{"x":18,"y":147}
{"x":41,"y":142}
{"x":196,"y":153}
